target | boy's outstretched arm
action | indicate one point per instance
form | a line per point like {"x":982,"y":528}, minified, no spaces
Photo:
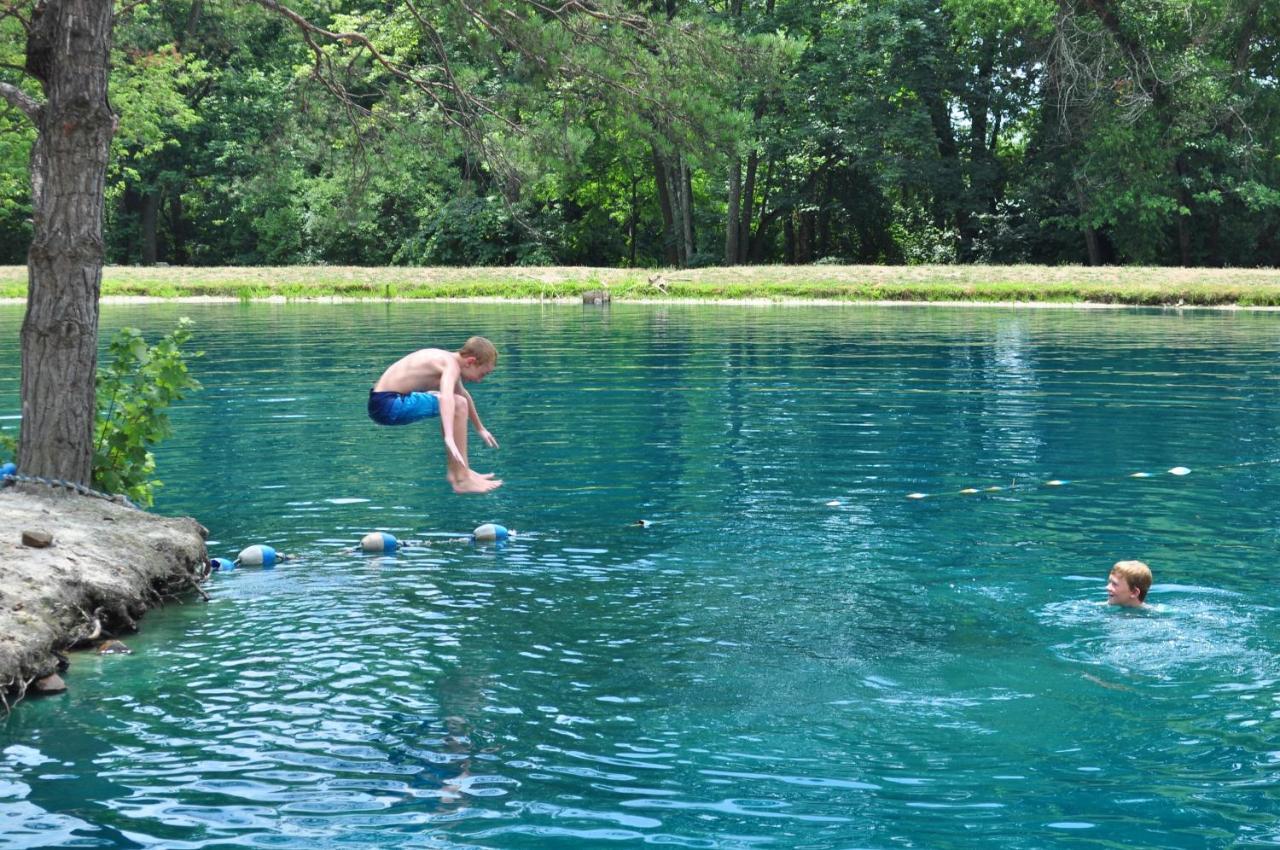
{"x":474,"y":415}
{"x":449,"y":384}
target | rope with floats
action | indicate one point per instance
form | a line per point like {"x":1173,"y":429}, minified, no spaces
{"x":382,"y":541}
{"x":1177,"y":471}
{"x":375,"y":542}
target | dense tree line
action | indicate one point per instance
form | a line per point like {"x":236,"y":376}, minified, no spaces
{"x":866,"y":131}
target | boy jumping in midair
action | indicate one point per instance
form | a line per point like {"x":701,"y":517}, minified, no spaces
{"x":428,"y":383}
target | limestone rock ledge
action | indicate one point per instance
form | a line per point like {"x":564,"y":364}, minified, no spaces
{"x":106,"y":566}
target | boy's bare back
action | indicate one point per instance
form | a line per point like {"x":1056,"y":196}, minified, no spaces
{"x":420,"y":371}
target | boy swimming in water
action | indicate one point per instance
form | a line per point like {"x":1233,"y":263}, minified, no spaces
{"x":429,"y":382}
{"x":1128,"y":584}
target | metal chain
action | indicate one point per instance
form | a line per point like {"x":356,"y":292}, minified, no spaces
{"x":18,"y":477}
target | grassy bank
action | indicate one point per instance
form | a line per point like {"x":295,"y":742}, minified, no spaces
{"x":1058,"y":284}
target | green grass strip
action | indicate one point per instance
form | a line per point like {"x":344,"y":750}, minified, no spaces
{"x":1145,"y":286}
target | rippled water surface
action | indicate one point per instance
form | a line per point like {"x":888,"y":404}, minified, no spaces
{"x":794,"y":654}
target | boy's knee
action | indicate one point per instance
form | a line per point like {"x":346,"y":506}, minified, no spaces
{"x":460,"y":406}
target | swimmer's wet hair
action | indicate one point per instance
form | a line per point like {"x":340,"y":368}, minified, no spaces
{"x":481,"y":349}
{"x":1137,"y":574}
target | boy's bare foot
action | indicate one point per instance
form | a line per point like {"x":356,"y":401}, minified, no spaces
{"x":476,"y":484}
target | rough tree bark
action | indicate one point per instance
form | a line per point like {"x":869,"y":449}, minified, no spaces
{"x":731,"y":218}
{"x":68,"y":52}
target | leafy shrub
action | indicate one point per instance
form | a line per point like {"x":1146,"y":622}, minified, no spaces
{"x":135,"y":387}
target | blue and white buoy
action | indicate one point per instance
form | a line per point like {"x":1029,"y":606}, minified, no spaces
{"x":221,"y":565}
{"x":5,"y":471}
{"x":259,"y":556}
{"x":490,"y":532}
{"x":379,"y":541}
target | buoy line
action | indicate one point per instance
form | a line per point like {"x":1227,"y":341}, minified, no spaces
{"x":375,"y":542}
{"x":1177,"y":471}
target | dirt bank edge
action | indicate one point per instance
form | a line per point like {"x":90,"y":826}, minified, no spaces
{"x":107,"y":566}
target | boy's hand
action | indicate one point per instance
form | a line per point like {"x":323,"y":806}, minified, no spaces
{"x":453,"y":451}
{"x":488,"y":438}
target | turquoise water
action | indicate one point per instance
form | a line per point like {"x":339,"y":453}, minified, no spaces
{"x":793,"y":655}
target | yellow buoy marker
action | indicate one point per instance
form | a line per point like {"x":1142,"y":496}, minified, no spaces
{"x":917,"y":495}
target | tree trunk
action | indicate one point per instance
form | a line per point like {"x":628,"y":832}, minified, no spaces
{"x":632,"y":221}
{"x":178,"y":254}
{"x":748,"y":208}
{"x":1092,"y":246}
{"x":1091,"y":243}
{"x":148,"y":224}
{"x":766,"y":215}
{"x":679,"y":208}
{"x":685,"y":177}
{"x":804,"y":236}
{"x":68,"y":50}
{"x":731,"y":226}
{"x":193,"y":21}
{"x":670,"y":241}
{"x":984,"y":180}
{"x":677,"y":216}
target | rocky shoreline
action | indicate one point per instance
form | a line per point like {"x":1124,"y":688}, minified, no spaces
{"x":77,"y":571}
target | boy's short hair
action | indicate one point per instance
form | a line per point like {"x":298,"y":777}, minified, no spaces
{"x":481,"y":349}
{"x":1137,"y":574}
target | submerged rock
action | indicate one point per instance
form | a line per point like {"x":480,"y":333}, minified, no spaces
{"x":51,"y":684}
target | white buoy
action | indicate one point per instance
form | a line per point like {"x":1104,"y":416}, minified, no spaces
{"x":1141,"y":475}
{"x":379,"y":541}
{"x":490,"y":531}
{"x":1179,"y":470}
{"x":258,"y":556}
{"x":917,"y":495}
{"x":968,"y":491}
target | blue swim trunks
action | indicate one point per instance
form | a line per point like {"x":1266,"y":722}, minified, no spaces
{"x":402,"y":408}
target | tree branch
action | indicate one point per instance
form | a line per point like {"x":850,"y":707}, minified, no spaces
{"x":459,"y":117}
{"x":20,"y":100}
{"x":127,"y":8}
